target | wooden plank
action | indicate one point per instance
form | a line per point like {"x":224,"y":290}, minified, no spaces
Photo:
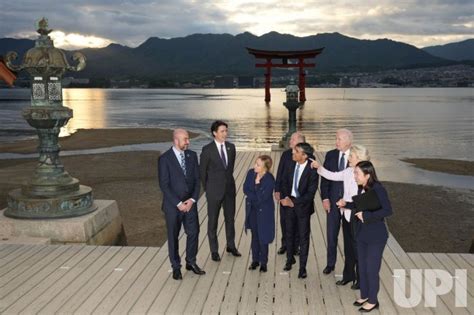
{"x":22,"y":258}
{"x":201,"y":292}
{"x":28,"y":268}
{"x":442,"y":305}
{"x":462,"y":264}
{"x":90,"y":287}
{"x":450,"y":266}
{"x":67,"y":279}
{"x":404,"y":262}
{"x":331,"y":293}
{"x":114,"y":276}
{"x":450,"y":297}
{"x":218,"y":290}
{"x":27,"y":294}
{"x":6,"y":249}
{"x":469,"y":258}
{"x":15,"y":255}
{"x":114,"y":296}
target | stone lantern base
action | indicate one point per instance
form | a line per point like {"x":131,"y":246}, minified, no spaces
{"x":23,"y":205}
{"x":101,"y":227}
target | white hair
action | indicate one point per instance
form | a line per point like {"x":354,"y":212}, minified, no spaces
{"x":346,"y":132}
{"x":361,"y":152}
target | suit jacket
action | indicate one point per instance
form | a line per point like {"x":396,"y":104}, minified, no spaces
{"x":373,"y":229}
{"x":332,"y":190}
{"x":177,"y":187}
{"x":307,"y":188}
{"x":216,"y":179}
{"x":285,"y":162}
{"x":260,"y":199}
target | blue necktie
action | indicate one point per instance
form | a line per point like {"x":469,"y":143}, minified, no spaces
{"x":295,"y":180}
{"x":342,"y":165}
{"x":183,"y":162}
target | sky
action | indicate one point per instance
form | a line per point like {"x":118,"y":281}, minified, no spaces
{"x":88,"y":23}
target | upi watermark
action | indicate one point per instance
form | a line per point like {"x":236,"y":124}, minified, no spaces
{"x":430,"y":283}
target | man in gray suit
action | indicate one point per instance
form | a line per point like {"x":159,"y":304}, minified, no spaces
{"x":216,"y":172}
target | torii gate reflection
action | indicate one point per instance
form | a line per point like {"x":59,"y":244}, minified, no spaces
{"x":300,"y":55}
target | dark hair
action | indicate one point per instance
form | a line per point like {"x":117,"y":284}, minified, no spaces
{"x":368,"y":168}
{"x":267,"y":161}
{"x":215,"y":125}
{"x":306,"y":148}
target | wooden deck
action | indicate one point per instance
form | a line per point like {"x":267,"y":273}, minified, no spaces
{"x":65,"y":279}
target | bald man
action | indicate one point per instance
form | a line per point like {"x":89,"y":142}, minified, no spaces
{"x":178,"y":174}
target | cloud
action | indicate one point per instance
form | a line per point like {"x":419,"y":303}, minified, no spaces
{"x":130,"y":22}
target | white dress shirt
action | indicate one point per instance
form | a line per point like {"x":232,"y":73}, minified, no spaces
{"x":346,"y":157}
{"x":218,"y":144}
{"x":350,"y":185}
{"x":300,"y":171}
{"x":177,"y":153}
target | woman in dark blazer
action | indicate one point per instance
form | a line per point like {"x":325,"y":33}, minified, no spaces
{"x":260,"y":210}
{"x":371,"y":237}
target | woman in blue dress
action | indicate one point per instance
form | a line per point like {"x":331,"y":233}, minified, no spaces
{"x":260,"y":210}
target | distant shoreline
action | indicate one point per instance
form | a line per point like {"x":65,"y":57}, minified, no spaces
{"x":85,"y":139}
{"x":454,"y":167}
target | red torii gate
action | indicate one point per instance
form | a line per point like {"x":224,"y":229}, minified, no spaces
{"x":300,"y":55}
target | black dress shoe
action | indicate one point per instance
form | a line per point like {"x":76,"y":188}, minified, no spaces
{"x":343,"y":282}
{"x":195,"y":268}
{"x":215,"y":257}
{"x":328,"y":270}
{"x":355,"y":286}
{"x":254,"y":265}
{"x":234,"y":252}
{"x":368,"y":310}
{"x":302,"y":274}
{"x":289,"y":264}
{"x":282,"y":250}
{"x":177,"y":274}
{"x":263,"y":268}
{"x":357,"y":303}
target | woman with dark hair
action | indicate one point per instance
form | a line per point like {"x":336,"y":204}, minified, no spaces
{"x":260,"y":210}
{"x":371,"y":237}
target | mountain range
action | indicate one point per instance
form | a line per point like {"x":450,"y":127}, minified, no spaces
{"x":225,"y":54}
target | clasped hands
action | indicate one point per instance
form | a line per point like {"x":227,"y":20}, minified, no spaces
{"x":185,"y":206}
{"x":287,"y":202}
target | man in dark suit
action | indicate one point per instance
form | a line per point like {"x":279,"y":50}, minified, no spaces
{"x":298,"y":188}
{"x":331,"y":191}
{"x":178,"y":174}
{"x":216,"y":169}
{"x":286,"y":161}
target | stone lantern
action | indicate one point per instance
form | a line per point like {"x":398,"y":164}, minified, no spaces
{"x":51,"y":192}
{"x":292,"y":104}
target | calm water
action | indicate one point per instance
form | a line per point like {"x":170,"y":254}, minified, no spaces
{"x":392,"y":123}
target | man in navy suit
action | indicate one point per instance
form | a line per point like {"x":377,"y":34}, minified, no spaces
{"x":286,"y":161}
{"x":298,"y":188}
{"x":331,"y":191}
{"x":178,"y":174}
{"x":217,"y":176}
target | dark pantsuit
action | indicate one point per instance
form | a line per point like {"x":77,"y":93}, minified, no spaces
{"x":333,"y":224}
{"x":174,"y":219}
{"x":350,"y":271}
{"x":213,"y":208}
{"x":259,"y":250}
{"x":370,"y":259}
{"x":298,"y":225}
